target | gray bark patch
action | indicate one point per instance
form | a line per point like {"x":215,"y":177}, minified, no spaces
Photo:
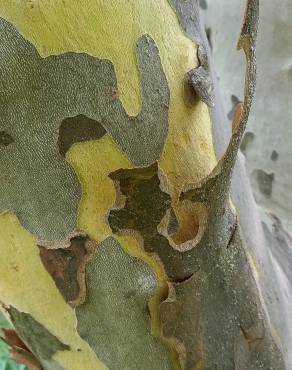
{"x":248,"y":138}
{"x":145,"y":206}
{"x":199,"y":78}
{"x":274,"y":155}
{"x":204,"y":4}
{"x":264,"y":181}
{"x":114,"y":319}
{"x":201,"y":82}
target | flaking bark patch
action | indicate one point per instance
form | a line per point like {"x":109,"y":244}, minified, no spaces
{"x":144,"y":208}
{"x":198,"y":82}
{"x":234,"y":101}
{"x":67,"y":267}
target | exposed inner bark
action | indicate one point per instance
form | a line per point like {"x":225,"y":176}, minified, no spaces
{"x":67,"y":267}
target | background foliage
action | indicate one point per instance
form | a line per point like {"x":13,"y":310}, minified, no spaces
{"x":5,"y":362}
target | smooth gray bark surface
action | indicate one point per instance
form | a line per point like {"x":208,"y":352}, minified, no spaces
{"x":266,"y":144}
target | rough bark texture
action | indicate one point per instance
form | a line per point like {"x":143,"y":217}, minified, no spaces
{"x":109,"y":173}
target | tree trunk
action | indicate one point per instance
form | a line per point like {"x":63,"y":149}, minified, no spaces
{"x":122,"y":244}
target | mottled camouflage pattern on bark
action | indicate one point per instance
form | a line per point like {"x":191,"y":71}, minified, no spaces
{"x":209,"y":309}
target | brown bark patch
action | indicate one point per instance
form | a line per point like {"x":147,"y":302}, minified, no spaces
{"x":234,"y":101}
{"x":190,"y":220}
{"x":67,"y":267}
{"x":19,"y":352}
{"x":23,"y":357}
{"x":12,"y":339}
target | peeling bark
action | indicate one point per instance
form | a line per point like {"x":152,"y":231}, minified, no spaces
{"x":200,"y":80}
{"x":67,"y":267}
{"x":169,"y":283}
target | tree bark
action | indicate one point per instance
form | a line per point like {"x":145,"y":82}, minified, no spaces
{"x":122,"y":244}
{"x":266,"y":143}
